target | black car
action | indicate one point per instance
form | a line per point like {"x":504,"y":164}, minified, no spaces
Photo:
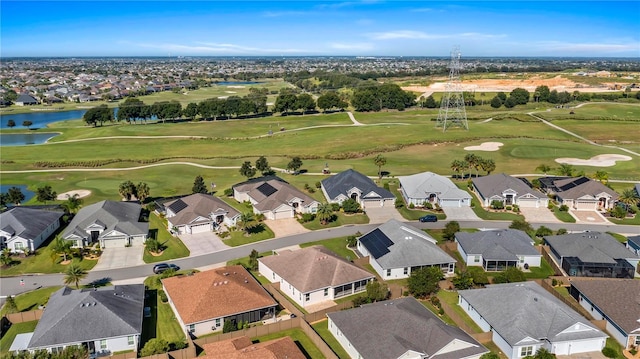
{"x":429,"y":218}
{"x":162,"y":267}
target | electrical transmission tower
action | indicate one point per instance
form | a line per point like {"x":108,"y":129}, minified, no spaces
{"x":452,"y":112}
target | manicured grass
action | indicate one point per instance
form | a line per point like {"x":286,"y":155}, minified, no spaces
{"x":322,"y":328}
{"x":10,"y":335}
{"x":619,"y":237}
{"x":174,"y":248}
{"x":452,"y":299}
{"x":162,"y":323}
{"x":44,"y":261}
{"x":488,"y":215}
{"x":634,"y":221}
{"x":494,"y":349}
{"x":563,"y":291}
{"x":32,"y":300}
{"x":258,"y":233}
{"x":310,"y":350}
{"x":337,"y":245}
{"x":544,"y":271}
{"x":341,"y":220}
{"x":413,"y":214}
{"x":445,"y":318}
{"x":437,"y":234}
{"x":613,"y":344}
{"x":563,"y":216}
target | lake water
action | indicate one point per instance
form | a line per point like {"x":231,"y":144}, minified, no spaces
{"x":21,"y":139}
{"x":40,"y":118}
{"x":27,"y":194}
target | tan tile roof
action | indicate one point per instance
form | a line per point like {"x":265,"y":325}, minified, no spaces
{"x":284,"y":193}
{"x":314,"y":268}
{"x":212,"y":294}
{"x":243,"y":348}
{"x":200,"y":205}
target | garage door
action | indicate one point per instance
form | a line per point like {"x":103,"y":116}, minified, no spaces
{"x":371,"y":203}
{"x":201,"y":228}
{"x":138,"y":241}
{"x":283,"y":214}
{"x":528,"y":202}
{"x":115,"y":242}
{"x":585,"y":206}
{"x":449,"y":203}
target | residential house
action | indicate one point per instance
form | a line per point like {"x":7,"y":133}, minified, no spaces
{"x":112,"y":224}
{"x":351,"y":184}
{"x":523,"y":317}
{"x":27,"y":228}
{"x":592,"y":254}
{"x":204,"y":301}
{"x":508,"y":190}
{"x":400,"y":329}
{"x":274,"y":198}
{"x":497,"y":250}
{"x":428,"y":187}
{"x":580,"y":193}
{"x":105,"y":320}
{"x":617,"y":301}
{"x":199,"y":213}
{"x":633,"y":244}
{"x":26,"y":100}
{"x":314,"y":275}
{"x":244,"y":348}
{"x":396,"y":249}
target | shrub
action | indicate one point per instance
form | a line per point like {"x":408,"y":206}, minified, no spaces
{"x":441,"y":311}
{"x":609,"y":352}
{"x":554,"y":282}
{"x":386,"y":186}
{"x":335,"y":207}
{"x":178,"y":345}
{"x":163,"y":296}
{"x":350,"y":206}
{"x":399,"y":203}
{"x":435,"y":301}
{"x":550,"y":205}
{"x":428,"y":205}
{"x":497,"y":204}
{"x":412,"y":206}
{"x":155,"y":346}
{"x":307,"y":217}
{"x":564,"y":208}
{"x":318,"y":185}
{"x":352,"y":241}
{"x":224,"y":234}
{"x":516,"y":208}
{"x":508,"y":208}
{"x":228,"y":192}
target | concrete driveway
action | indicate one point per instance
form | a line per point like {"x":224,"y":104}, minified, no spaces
{"x":592,"y":217}
{"x":120,"y":257}
{"x":460,"y":214}
{"x":588,"y":355}
{"x":383,"y":214}
{"x":202,"y":243}
{"x":542,"y":214}
{"x":285,"y":227}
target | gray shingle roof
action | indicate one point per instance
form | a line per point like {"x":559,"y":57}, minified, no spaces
{"x":619,"y":299}
{"x":313,"y":268}
{"x":123,"y":215}
{"x":346,"y":180}
{"x":635,"y":240}
{"x":405,"y":246}
{"x":501,"y":244}
{"x":520,"y":310}
{"x":200,"y":205}
{"x":495,"y":184}
{"x":283,"y":194}
{"x":589,"y":247}
{"x":26,"y":98}
{"x":574,"y":188}
{"x":26,"y":222}
{"x":386,"y":330}
{"x":422,"y":184}
{"x":73,"y":316}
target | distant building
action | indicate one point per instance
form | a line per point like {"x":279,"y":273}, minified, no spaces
{"x":26,"y":100}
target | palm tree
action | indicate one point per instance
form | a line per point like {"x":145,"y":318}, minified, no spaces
{"x":544,"y":168}
{"x":74,"y":274}
{"x":488,"y":165}
{"x":380,"y":161}
{"x":457,"y":166}
{"x":62,"y":246}
{"x":247,"y":221}
{"x":629,"y":197}
{"x":324,"y":213}
{"x":601,"y":176}
{"x":566,"y":169}
{"x":5,"y":257}
{"x":143,"y":191}
{"x":72,"y":204}
{"x":472,"y":161}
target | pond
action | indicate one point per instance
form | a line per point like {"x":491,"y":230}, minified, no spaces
{"x":23,"y":188}
{"x":22,"y":139}
{"x":40,"y":119}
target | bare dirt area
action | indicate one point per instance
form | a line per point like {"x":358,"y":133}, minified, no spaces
{"x":558,"y":83}
{"x":80,"y":192}
{"x":606,"y":160}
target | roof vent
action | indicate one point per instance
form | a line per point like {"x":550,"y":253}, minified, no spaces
{"x":215,"y":284}
{"x":225,"y":273}
{"x":535,"y":299}
{"x":226,"y":282}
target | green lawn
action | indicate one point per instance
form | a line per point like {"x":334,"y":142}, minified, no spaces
{"x":487,"y":215}
{"x":619,"y":237}
{"x":322,"y":328}
{"x":412,"y":214}
{"x":544,"y":271}
{"x":634,"y":221}
{"x":174,"y":248}
{"x":341,"y":220}
{"x":162,"y":323}
{"x":32,"y":300}
{"x":613,"y":344}
{"x":310,"y":350}
{"x":10,"y":335}
{"x":337,"y":245}
{"x":445,"y":318}
{"x":451,"y":298}
{"x":563,"y":216}
{"x":438,"y":233}
{"x":44,"y":261}
{"x":258,"y":233}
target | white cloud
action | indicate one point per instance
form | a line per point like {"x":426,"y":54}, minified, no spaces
{"x":411,"y":34}
{"x":363,"y":46}
{"x":215,"y":48}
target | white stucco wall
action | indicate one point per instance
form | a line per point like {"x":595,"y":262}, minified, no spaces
{"x":475,"y":316}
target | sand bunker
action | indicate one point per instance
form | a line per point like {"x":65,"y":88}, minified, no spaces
{"x":485,"y":146}
{"x":606,"y":160}
{"x":80,"y":192}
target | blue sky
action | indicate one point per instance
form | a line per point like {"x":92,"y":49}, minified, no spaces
{"x":293,"y":28}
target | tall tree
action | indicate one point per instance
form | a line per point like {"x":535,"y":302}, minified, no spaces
{"x":295,"y":164}
{"x":127,"y":190}
{"x":45,"y":193}
{"x":285,"y":102}
{"x":496,"y":102}
{"x":142,"y":191}
{"x":544,"y":168}
{"x":450,"y":230}
{"x":457,"y":166}
{"x":198,"y":185}
{"x":305,"y":102}
{"x":520,"y":96}
{"x":379,"y":161}
{"x":191,"y":111}
{"x":15,"y":195}
{"x":541,"y":93}
{"x":424,"y":281}
{"x":99,"y":114}
{"x":473,"y":161}
{"x":324,"y":213}
{"x":27,"y":123}
{"x":488,"y":165}
{"x":430,"y":102}
{"x":601,"y":176}
{"x":247,"y":221}
{"x":10,"y":305}
{"x":74,"y":274}
{"x":253,"y":260}
{"x":566,"y":169}
{"x":72,"y":204}
{"x":629,"y":197}
{"x":262,"y":165}
{"x":62,"y":247}
{"x":247,"y":170}
{"x":11,"y":123}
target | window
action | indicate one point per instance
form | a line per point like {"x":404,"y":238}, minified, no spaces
{"x":273,"y":275}
{"x":521,"y":259}
{"x":218,"y":322}
{"x":476,"y":259}
{"x":19,"y":246}
{"x":388,"y":272}
{"x":326,"y":292}
{"x":637,"y":340}
{"x":524,"y":351}
{"x":191,"y":328}
{"x":130,"y":340}
{"x":103,"y":344}
{"x":307,"y":297}
{"x":406,"y":270}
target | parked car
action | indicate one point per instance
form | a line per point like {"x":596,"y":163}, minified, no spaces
{"x":429,"y":218}
{"x":162,"y":267}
